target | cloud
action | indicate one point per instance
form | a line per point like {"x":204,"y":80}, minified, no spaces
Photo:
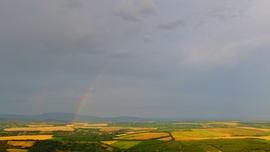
{"x":132,"y":10}
{"x":74,"y":4}
{"x":204,"y":55}
{"x":147,"y":7}
{"x":172,"y":24}
{"x":126,"y":10}
{"x":225,"y":12}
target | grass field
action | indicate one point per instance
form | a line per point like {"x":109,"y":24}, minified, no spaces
{"x":147,"y":136}
{"x":218,"y":145}
{"x":125,"y":144}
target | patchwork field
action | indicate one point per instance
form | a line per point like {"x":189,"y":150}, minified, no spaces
{"x":136,"y":136}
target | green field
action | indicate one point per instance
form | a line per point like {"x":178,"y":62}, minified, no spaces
{"x":125,"y":144}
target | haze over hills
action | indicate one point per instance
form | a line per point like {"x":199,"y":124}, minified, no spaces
{"x":69,"y":117}
{"x":62,"y":116}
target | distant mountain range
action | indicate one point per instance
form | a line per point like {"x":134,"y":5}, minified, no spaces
{"x":69,"y":117}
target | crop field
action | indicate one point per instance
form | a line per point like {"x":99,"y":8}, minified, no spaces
{"x":198,"y":134}
{"x":218,"y":133}
{"x":147,"y":136}
{"x":242,"y":131}
{"x":81,"y":125}
{"x":125,"y":144}
{"x":165,"y":139}
{"x":142,"y":129}
{"x":22,"y":144}
{"x":17,"y":150}
{"x":53,"y":128}
{"x":232,"y":136}
{"x":110,"y":128}
{"x":39,"y":125}
{"x":261,"y":129}
{"x":27,"y":137}
{"x":109,"y":142}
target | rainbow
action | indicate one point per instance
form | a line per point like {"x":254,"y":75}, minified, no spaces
{"x":87,"y":94}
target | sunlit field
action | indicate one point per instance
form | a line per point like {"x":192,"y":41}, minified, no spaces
{"x":26,"y":137}
{"x":125,"y":144}
{"x":35,"y":128}
{"x":22,"y":144}
{"x":147,"y":136}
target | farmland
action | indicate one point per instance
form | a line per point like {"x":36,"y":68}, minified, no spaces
{"x":27,"y":137}
{"x":50,"y":128}
{"x":135,"y":136}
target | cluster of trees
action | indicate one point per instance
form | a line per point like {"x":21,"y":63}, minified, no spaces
{"x":91,"y":137}
{"x":3,"y":145}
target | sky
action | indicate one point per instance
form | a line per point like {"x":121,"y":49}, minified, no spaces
{"x":206,"y":59}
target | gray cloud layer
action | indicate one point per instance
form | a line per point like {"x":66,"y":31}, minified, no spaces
{"x":186,"y":59}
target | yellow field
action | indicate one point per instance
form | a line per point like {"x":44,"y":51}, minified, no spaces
{"x":264,"y":137}
{"x":23,"y":144}
{"x":210,"y":124}
{"x":27,"y":137}
{"x":261,"y":129}
{"x":224,"y":133}
{"x":147,"y":136}
{"x":89,"y":125}
{"x":165,"y":139}
{"x":110,"y":128}
{"x":198,"y":134}
{"x":54,"y":128}
{"x":242,"y":131}
{"x":109,"y":142}
{"x":17,"y":150}
{"x":40,"y":125}
{"x":142,"y":129}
